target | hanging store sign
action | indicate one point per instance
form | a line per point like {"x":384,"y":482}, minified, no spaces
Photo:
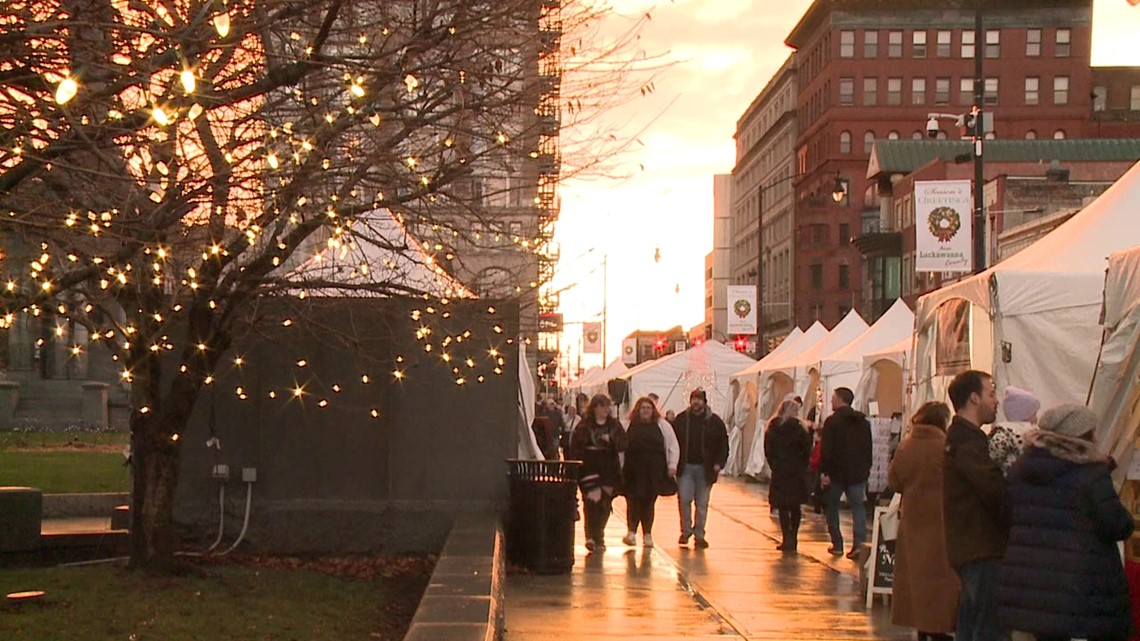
{"x":943,"y":226}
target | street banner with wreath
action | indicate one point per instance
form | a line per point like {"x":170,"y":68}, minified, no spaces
{"x":741,"y":309}
{"x":942,"y":224}
{"x":591,"y":338}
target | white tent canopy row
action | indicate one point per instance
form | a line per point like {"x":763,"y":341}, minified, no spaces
{"x":1032,"y":319}
{"x":596,"y":380}
{"x":708,"y":366}
{"x":884,"y":380}
{"x":1115,"y":392}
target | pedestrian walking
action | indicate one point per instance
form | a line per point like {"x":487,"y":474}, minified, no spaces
{"x":787,"y":447}
{"x":974,"y":507}
{"x":649,"y":470}
{"x":1006,"y":440}
{"x":925,"y":595}
{"x":845,"y":466}
{"x":704,"y":449}
{"x":573,"y":418}
{"x":597,"y":441}
{"x":554,"y":425}
{"x":1062,"y":577}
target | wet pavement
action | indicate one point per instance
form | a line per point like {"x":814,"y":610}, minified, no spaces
{"x":739,"y":588}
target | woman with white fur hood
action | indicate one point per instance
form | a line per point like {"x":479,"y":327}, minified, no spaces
{"x":1062,"y":576}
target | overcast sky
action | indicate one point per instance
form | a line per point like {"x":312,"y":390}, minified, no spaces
{"x":723,"y":53}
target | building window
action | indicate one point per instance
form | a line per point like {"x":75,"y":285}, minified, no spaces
{"x":943,"y":44}
{"x":894,"y":44}
{"x":844,"y":276}
{"x":1064,"y":43}
{"x":818,"y":236}
{"x":868,"y":141}
{"x":845,"y":142}
{"x":918,"y":91}
{"x":1100,"y":98}
{"x":870,"y":91}
{"x":918,"y":44}
{"x":941,"y":91}
{"x":870,"y":44}
{"x":1059,"y":134}
{"x":846,"y":44}
{"x":966,"y":91}
{"x":967,"y":44}
{"x":991,"y":93}
{"x":993,"y":43}
{"x":1033,"y":43}
{"x":1061,"y":90}
{"x":1032,"y":91}
{"x":817,"y":276}
{"x":917,"y":135}
{"x":1031,"y":135}
{"x":844,"y":234}
{"x":894,"y":91}
{"x":1134,"y":98}
{"x":893,"y":135}
{"x":846,"y":91}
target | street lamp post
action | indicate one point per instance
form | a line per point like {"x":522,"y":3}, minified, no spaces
{"x":838,"y":192}
{"x":979,"y":136}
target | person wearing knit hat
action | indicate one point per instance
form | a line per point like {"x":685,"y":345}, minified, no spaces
{"x":703,"y":438}
{"x":1062,"y":576}
{"x":1070,"y":419}
{"x":1006,"y":440}
{"x":1020,"y":405}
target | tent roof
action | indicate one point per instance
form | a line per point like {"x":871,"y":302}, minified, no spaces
{"x":377,"y":258}
{"x":584,"y":379}
{"x":1122,"y":286}
{"x":603,"y":375}
{"x":1062,"y":269}
{"x":846,"y":331}
{"x":894,"y":325}
{"x":790,"y":348}
{"x":664,"y":374}
{"x":896,"y":353}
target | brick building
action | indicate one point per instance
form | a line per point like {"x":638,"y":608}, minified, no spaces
{"x":764,"y":171}
{"x":874,"y":69}
{"x":1031,"y":185}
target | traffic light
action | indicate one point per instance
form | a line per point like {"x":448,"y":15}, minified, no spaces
{"x":741,"y":344}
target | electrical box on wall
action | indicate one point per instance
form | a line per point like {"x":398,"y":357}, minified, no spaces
{"x":249,"y":474}
{"x":221,"y":471}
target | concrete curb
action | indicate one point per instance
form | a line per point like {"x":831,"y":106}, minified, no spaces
{"x":464,"y":598}
{"x":59,"y":506}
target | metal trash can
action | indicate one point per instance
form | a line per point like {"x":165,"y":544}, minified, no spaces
{"x":540,"y":518}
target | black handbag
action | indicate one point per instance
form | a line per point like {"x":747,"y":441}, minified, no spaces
{"x":668,"y":486}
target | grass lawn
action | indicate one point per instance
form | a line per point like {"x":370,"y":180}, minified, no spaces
{"x":256,"y":602}
{"x":64,"y":471}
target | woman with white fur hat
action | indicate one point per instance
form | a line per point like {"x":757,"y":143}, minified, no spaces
{"x":1062,"y":577}
{"x":1007,"y":439}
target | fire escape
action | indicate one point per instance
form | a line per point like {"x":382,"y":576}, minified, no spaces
{"x":549,"y":162}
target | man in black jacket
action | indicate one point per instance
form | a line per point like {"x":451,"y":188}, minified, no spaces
{"x":703,"y":438}
{"x":845,"y":465}
{"x":974,"y":505}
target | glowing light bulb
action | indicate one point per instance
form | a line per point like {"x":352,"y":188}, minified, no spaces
{"x":222,"y":24}
{"x":189,"y":82}
{"x":66,"y":90}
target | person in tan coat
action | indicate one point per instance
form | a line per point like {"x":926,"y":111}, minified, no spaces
{"x":925,"y":586}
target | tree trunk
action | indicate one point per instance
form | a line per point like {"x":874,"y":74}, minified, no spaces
{"x":154,"y":458}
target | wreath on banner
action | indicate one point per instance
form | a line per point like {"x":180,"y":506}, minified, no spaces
{"x":742,"y":307}
{"x":628,"y":350}
{"x":944,"y":223}
{"x":592,"y":336}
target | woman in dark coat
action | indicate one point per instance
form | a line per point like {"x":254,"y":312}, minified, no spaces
{"x":787,"y":446}
{"x":596,"y":442}
{"x":1062,"y":577}
{"x":925,"y":589}
{"x":650,"y":468}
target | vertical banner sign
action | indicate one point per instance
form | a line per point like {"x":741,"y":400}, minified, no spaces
{"x":943,"y":217}
{"x":629,"y":351}
{"x":591,"y":338}
{"x":741,"y":309}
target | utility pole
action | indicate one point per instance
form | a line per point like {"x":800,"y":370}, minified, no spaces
{"x":605,"y":305}
{"x":979,"y":135}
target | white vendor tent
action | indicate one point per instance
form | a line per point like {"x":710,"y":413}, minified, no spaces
{"x":1031,"y":319}
{"x":803,"y":370}
{"x":708,"y":366}
{"x":1115,"y":394}
{"x":884,"y":379}
{"x":770,"y":393}
{"x":844,"y":367}
{"x":597,"y":380}
{"x":741,"y":420}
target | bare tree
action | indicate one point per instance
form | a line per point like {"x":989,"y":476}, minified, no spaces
{"x":167,"y":163}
